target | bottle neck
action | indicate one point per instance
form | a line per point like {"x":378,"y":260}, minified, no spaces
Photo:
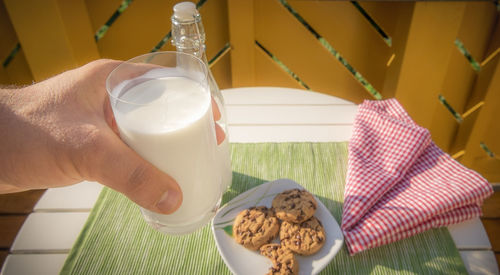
{"x":188,"y":36}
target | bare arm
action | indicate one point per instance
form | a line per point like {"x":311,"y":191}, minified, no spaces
{"x":61,"y":131}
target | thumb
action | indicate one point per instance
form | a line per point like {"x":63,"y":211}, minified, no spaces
{"x":122,"y":169}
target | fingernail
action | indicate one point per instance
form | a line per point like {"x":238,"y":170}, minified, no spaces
{"x":169,"y":201}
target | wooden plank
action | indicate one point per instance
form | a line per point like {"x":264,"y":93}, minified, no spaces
{"x":289,"y":133}
{"x":215,"y":21}
{"x":278,"y":31}
{"x":73,"y":198}
{"x":497,"y":256}
{"x":18,"y":71}
{"x":487,"y":70}
{"x":34,"y":264}
{"x":487,"y":130}
{"x":477,"y":27}
{"x":4,"y":78}
{"x":456,"y":87}
{"x":478,"y":94}
{"x":222,"y":72}
{"x":491,"y":206}
{"x":385,"y":14}
{"x":138,"y":29}
{"x":479,"y":262}
{"x":9,"y":38}
{"x":425,"y":62}
{"x":399,"y":41}
{"x":269,"y":73}
{"x":100,"y":11}
{"x":3,"y":255}
{"x":291,"y":115}
{"x":43,"y":34}
{"x":492,"y":227}
{"x":241,"y":34}
{"x":277,"y":96}
{"x":458,"y":83}
{"x":19,"y":203}
{"x":345,"y":28}
{"x":470,"y":235}
{"x":49,"y":232}
{"x":494,"y":42}
{"x":78,"y":30}
{"x":9,"y":226}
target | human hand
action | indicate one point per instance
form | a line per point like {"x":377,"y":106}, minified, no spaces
{"x":62,"y":131}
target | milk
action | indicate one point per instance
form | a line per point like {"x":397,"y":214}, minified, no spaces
{"x":171,"y":125}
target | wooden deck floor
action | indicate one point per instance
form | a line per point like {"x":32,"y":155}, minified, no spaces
{"x":14,"y":209}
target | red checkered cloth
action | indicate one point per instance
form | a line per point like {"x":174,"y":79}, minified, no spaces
{"x":399,"y":183}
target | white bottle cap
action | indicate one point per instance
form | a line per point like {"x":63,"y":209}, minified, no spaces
{"x":185,"y":11}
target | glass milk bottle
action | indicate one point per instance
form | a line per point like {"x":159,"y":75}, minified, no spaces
{"x":188,"y":36}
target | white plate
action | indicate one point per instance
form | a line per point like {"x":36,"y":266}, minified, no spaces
{"x":242,"y":261}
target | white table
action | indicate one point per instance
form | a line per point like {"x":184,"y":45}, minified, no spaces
{"x":255,"y":115}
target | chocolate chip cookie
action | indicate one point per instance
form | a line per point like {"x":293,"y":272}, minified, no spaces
{"x":306,"y":238}
{"x":283,"y":259}
{"x":294,"y":205}
{"x":255,"y":226}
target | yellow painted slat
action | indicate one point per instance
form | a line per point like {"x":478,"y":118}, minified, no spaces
{"x":343,"y":26}
{"x":18,"y":70}
{"x":481,"y":87}
{"x":487,"y":130}
{"x":457,"y":85}
{"x":487,"y":71}
{"x":77,"y":29}
{"x":399,"y":37}
{"x":463,"y":87}
{"x":4,"y":78}
{"x":99,"y":11}
{"x":385,"y":13}
{"x":43,"y":34}
{"x":425,"y":62}
{"x":494,"y":43}
{"x":7,"y":33}
{"x":222,"y":72}
{"x":297,"y":48}
{"x":137,"y":30}
{"x":241,"y":34}
{"x":214,"y":16}
{"x":269,"y":73}
{"x":477,"y":26}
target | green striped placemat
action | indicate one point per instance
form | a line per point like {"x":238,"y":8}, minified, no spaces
{"x":116,"y":240}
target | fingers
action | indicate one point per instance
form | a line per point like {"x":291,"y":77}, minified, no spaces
{"x":215,"y":110}
{"x":120,"y":168}
{"x":109,"y":116}
{"x":219,"y":133}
